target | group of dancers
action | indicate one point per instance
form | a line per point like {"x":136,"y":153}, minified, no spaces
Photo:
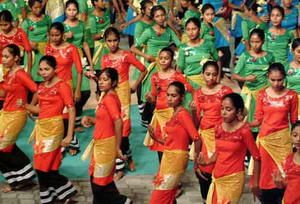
{"x":48,"y":60}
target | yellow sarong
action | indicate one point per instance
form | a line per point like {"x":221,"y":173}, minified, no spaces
{"x":11,"y":124}
{"x":48,"y":134}
{"x":235,"y":14}
{"x":198,"y":79}
{"x":221,"y":26}
{"x":105,"y":154}
{"x":123,"y":92}
{"x":228,"y":189}
{"x":160,"y":117}
{"x":299,"y":107}
{"x":171,"y":170}
{"x":98,"y":51}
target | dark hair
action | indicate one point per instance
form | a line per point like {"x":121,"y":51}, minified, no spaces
{"x":210,"y":64}
{"x":50,"y":60}
{"x":277,"y":67}
{"x":144,"y":3}
{"x":194,"y":20}
{"x":6,"y":16}
{"x":259,"y":32}
{"x":111,"y":73}
{"x":73,"y":2}
{"x":58,"y":26}
{"x":296,"y":43}
{"x":206,"y":7}
{"x":179,"y":87}
{"x":111,"y":30}
{"x":169,"y":50}
{"x":280,"y":9}
{"x":251,"y":5}
{"x":13,"y":49}
{"x":236,"y":100}
{"x":295,"y":124}
{"x":32,"y":2}
{"x":157,"y":8}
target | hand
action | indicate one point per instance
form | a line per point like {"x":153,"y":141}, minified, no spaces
{"x":89,"y":74}
{"x":192,"y":105}
{"x":77,"y":95}
{"x":256,"y":192}
{"x":264,"y":18}
{"x":86,"y":122}
{"x":278,"y":179}
{"x":123,"y":26}
{"x":201,"y":161}
{"x":150,"y":58}
{"x":251,"y":78}
{"x":221,"y":11}
{"x":199,"y":173}
{"x":66,"y":142}
{"x":20,"y":103}
{"x":69,"y":34}
{"x":150,"y":98}
{"x":151,"y":132}
{"x":120,"y":155}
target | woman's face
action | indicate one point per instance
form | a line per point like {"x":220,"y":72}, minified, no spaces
{"x":148,"y":9}
{"x":192,"y":31}
{"x":104,"y":82}
{"x":296,"y":137}
{"x":174,"y":99}
{"x":46,"y":71}
{"x":228,"y":111}
{"x":8,"y":59}
{"x":6,"y":26}
{"x":210,"y":75}
{"x":208,"y":15}
{"x":276,"y":80}
{"x":256,"y":42}
{"x":36,"y":8}
{"x":165,"y":60}
{"x":160,"y":17}
{"x":287,"y":3}
{"x":296,"y":53}
{"x":56,"y":37}
{"x":112,"y":42}
{"x":276,"y":17}
{"x":71,"y":11}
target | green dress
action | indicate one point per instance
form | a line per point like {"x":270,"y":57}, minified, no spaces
{"x":293,"y":78}
{"x":191,"y":60}
{"x":10,"y":6}
{"x":278,"y":45}
{"x":77,"y":39}
{"x":189,"y":14}
{"x":154,"y":42}
{"x":207,"y":32}
{"x":19,"y":5}
{"x":98,"y":25}
{"x":249,"y":65}
{"x":140,"y":27}
{"x":37,"y":32}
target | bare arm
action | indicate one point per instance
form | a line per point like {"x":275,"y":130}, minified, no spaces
{"x":139,"y":80}
{"x":71,"y":124}
{"x":29,"y":63}
{"x":88,"y":55}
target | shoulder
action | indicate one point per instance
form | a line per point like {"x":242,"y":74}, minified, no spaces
{"x":226,"y":90}
{"x":20,"y":30}
{"x":292,"y":93}
{"x":111,"y":99}
{"x":183,"y":113}
{"x":21,"y":73}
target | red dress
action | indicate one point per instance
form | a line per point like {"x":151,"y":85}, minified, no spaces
{"x":210,"y":105}
{"x":276,"y":114}
{"x":159,"y":88}
{"x":108,"y":111}
{"x":122,"y":65}
{"x":65,"y":57}
{"x":19,"y":38}
{"x":292,"y":171}
{"x":52,"y":101}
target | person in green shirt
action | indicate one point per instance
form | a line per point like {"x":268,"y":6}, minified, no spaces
{"x":193,"y":54}
{"x":10,"y":6}
{"x":75,"y":34}
{"x":278,"y":38}
{"x":252,"y":68}
{"x":154,"y":38}
{"x":36,"y":26}
{"x":293,"y":71}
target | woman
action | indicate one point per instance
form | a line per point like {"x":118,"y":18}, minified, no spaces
{"x":206,"y":108}
{"x":66,"y":54}
{"x":233,"y":138}
{"x":105,"y":147}
{"x":177,"y":133}
{"x":277,"y":107}
{"x":14,"y":164}
{"x":292,"y":71}
{"x":193,"y":54}
{"x":53,"y":96}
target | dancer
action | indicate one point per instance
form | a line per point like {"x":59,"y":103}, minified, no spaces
{"x":36,"y":26}
{"x":207,"y":113}
{"x":121,"y":60}
{"x":178,"y":132}
{"x":66,"y":55}
{"x":290,"y":181}
{"x":252,"y":68}
{"x":277,"y":107}
{"x":292,"y":71}
{"x":158,"y":96}
{"x":14,"y":164}
{"x":233,"y":138}
{"x":53,"y":96}
{"x":107,"y":138}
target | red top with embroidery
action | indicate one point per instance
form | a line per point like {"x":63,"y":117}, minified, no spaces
{"x":16,"y":87}
{"x":178,"y":131}
{"x":52,"y":100}
{"x":122,"y":64}
{"x":160,"y":86}
{"x":211,"y":107}
{"x":292,"y":171}
{"x":19,"y":38}
{"x":276,"y":113}
{"x":108,"y":111}
{"x":231,"y":149}
{"x":65,"y":57}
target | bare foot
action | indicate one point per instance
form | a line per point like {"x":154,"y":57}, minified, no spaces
{"x":131,"y":165}
{"x":7,"y":189}
{"x":119,"y":175}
